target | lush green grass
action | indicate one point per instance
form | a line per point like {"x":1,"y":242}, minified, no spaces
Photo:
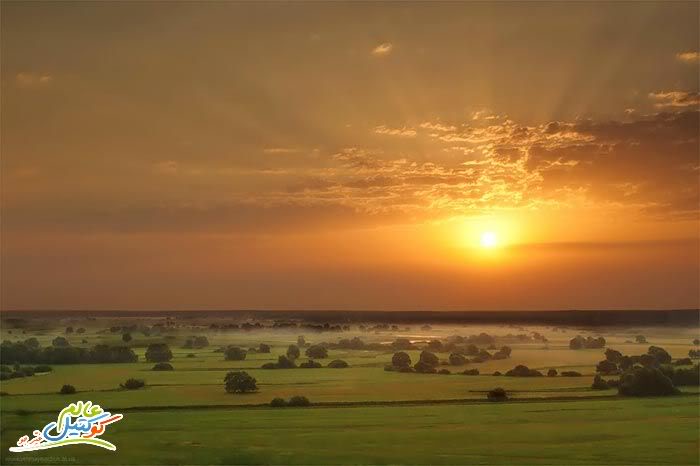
{"x":640,"y":431}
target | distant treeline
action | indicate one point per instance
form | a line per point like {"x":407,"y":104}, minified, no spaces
{"x":30,"y":352}
{"x":597,"y":318}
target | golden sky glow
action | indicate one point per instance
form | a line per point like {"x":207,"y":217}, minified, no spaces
{"x":350,"y":156}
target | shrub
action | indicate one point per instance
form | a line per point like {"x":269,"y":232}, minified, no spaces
{"x":523,"y":371}
{"x":640,"y":339}
{"x":278,"y":403}
{"x":694,"y":354}
{"x":163,"y":366}
{"x":497,"y":373}
{"x":298,"y":401}
{"x":497,"y":394}
{"x":293,"y":352}
{"x":67,"y":390}
{"x":406,"y":369}
{"x":400,"y":359}
{"x":457,"y":359}
{"x":683,"y":362}
{"x":686,"y":377}
{"x":613,"y":355}
{"x":338,"y":364}
{"x":435,"y":345}
{"x":311,"y":364}
{"x":444,"y":372}
{"x":570,"y":374}
{"x":316,"y":352}
{"x":599,"y":383}
{"x":646,"y":381}
{"x":301,"y":341}
{"x":43,"y":368}
{"x":402,"y":344}
{"x":158,"y":352}
{"x":234,"y":353}
{"x":239,"y":382}
{"x":284,"y":362}
{"x":133,"y":384}
{"x":126,"y":338}
{"x":190,"y":355}
{"x":578,"y":342}
{"x":552,"y":373}
{"x":471,"y":372}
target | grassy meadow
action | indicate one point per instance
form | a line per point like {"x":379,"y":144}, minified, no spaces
{"x":361,"y":414}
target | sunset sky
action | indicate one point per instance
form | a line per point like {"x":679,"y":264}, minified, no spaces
{"x":350,"y":156}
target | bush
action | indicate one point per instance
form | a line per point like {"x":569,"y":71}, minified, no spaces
{"x":126,"y":338}
{"x":599,"y":383}
{"x":240,"y":382}
{"x":67,"y":390}
{"x":640,"y":339}
{"x":301,"y":341}
{"x":133,"y":384}
{"x":283,"y":362}
{"x":163,"y":366}
{"x":338,"y":364}
{"x":158,"y":352}
{"x":311,"y":364}
{"x":497,"y":373}
{"x":407,"y":369}
{"x":457,"y":359}
{"x":578,"y":342}
{"x":278,"y":403}
{"x":570,"y":374}
{"x":471,"y":372}
{"x":683,"y":362}
{"x":401,"y":359}
{"x":497,"y":394}
{"x":190,"y":355}
{"x":316,"y":352}
{"x":234,"y":353}
{"x":444,"y":372}
{"x":60,"y":341}
{"x":523,"y":371}
{"x":646,"y":381}
{"x":43,"y":368}
{"x":552,"y":373}
{"x":613,"y":355}
{"x":298,"y":401}
{"x":686,"y":377}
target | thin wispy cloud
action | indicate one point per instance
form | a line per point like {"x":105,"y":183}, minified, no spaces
{"x":675,"y":99}
{"x":383,"y":49}
{"x":688,"y":57}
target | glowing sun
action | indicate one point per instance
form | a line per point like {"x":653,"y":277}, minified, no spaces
{"x":488,"y":239}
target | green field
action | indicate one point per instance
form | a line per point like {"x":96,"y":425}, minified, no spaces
{"x":361,"y":414}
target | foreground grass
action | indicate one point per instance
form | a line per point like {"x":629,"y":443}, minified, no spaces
{"x":634,"y":431}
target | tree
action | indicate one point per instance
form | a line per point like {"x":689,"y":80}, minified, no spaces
{"x":571,"y":374}
{"x":402,"y":344}
{"x":599,"y":383}
{"x":81,"y":330}
{"x":613,"y":355}
{"x":67,"y":390}
{"x":69,"y":329}
{"x":552,"y":373}
{"x":158,"y":352}
{"x":660,"y":354}
{"x":457,"y":359}
{"x":263,"y":348}
{"x":278,"y":403}
{"x":606,"y":367}
{"x":317,"y":352}
{"x":234,"y":353}
{"x":310,"y":364}
{"x":696,"y":342}
{"x":301,"y":341}
{"x":523,"y":371}
{"x":293,"y":352}
{"x":400,"y":359}
{"x":338,"y":364}
{"x":471,"y":372}
{"x":640,"y":339}
{"x":646,"y":381}
{"x":60,"y":341}
{"x":435,"y":345}
{"x":497,"y":394}
{"x":240,"y":382}
{"x":126,"y":337}
{"x":429,"y":358}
